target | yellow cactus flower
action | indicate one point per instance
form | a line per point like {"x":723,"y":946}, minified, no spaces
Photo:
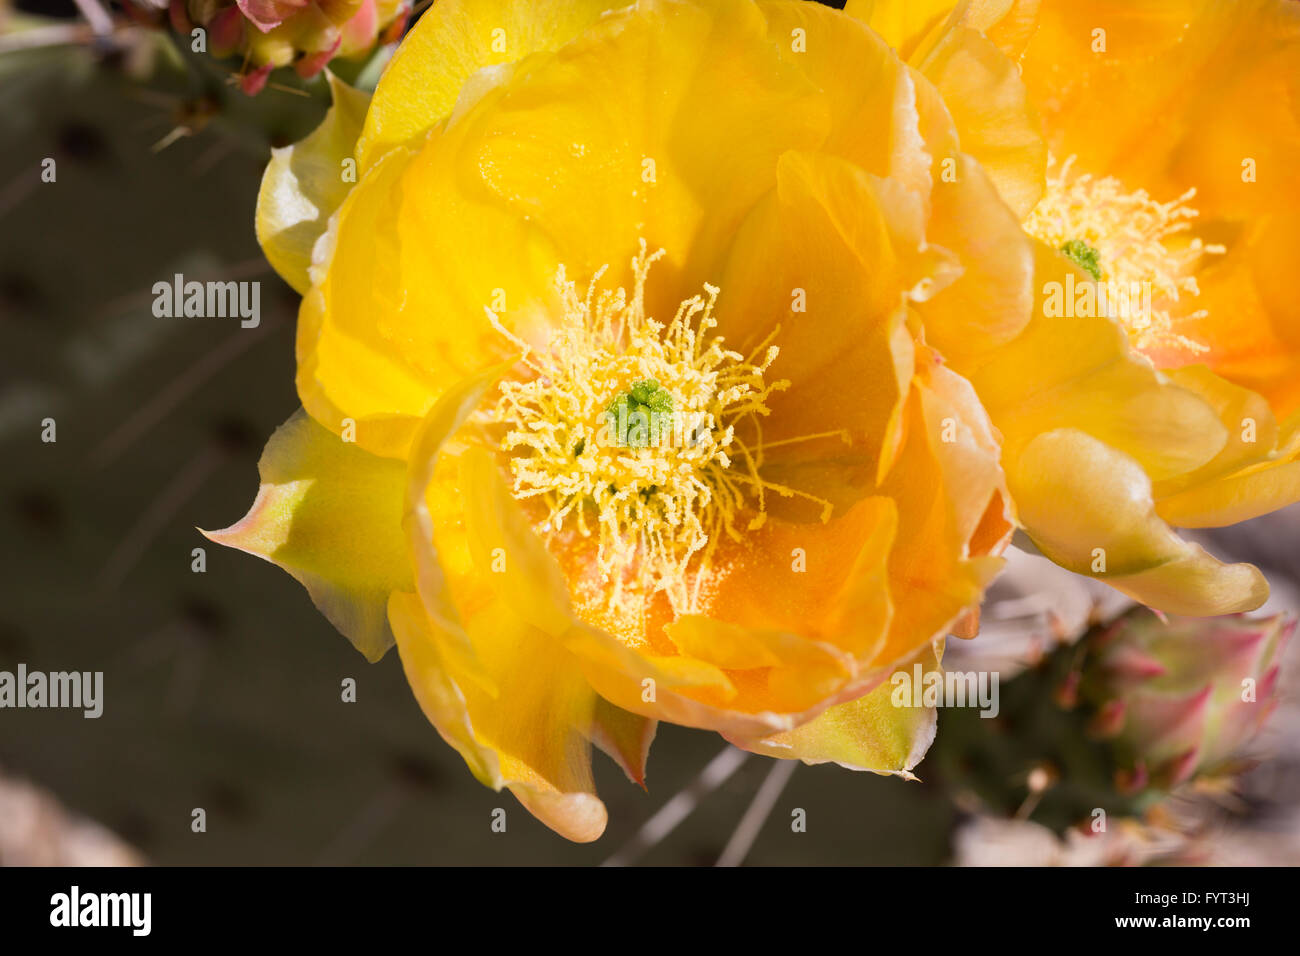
{"x":565,"y":218}
{"x":1168,"y":135}
{"x":627,"y":357}
{"x":1196,"y":160}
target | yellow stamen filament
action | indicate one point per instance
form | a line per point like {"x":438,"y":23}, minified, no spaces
{"x":1141,"y":243}
{"x":659,"y":509}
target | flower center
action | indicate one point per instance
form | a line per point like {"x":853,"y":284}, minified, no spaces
{"x":641,"y":434}
{"x":641,"y":416}
{"x":1139,"y":248}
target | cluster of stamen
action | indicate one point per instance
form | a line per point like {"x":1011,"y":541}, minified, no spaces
{"x":1129,"y":239}
{"x":644,"y":435}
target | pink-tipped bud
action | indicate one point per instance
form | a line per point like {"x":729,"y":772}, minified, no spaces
{"x":254,"y":82}
{"x":1181,"y":697}
{"x":1109,"y":720}
{"x":313,"y":63}
{"x":1067,"y":694}
{"x":225,"y":32}
{"x":1132,"y":780}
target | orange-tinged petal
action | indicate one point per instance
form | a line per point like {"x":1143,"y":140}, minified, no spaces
{"x":983,"y":92}
{"x":830,"y":258}
{"x":1089,"y":508}
{"x":947,"y":480}
{"x":989,"y":304}
{"x":1194,"y":94}
{"x":1178,"y":97}
{"x":1250,"y":330}
{"x":330,"y":514}
{"x":1008,"y":23}
{"x":967,"y":454}
{"x":826,"y":583}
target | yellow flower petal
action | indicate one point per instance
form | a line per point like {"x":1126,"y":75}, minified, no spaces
{"x":304,"y":184}
{"x":830,"y":257}
{"x":1252,"y":431}
{"x":1258,"y":470}
{"x":1073,"y":370}
{"x":330,"y":514}
{"x":1240,"y":496}
{"x":624,"y":736}
{"x":908,"y":24}
{"x":869,"y":95}
{"x":983,"y":92}
{"x":869,"y":733}
{"x":903,"y":23}
{"x":599,"y":165}
{"x":446,"y":48}
{"x":429,"y":672}
{"x":952,"y":512}
{"x":344,"y":370}
{"x":538,"y":745}
{"x":1088,"y":507}
{"x":987,"y":306}
{"x":554,"y":174}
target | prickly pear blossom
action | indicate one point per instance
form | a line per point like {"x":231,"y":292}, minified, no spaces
{"x":1187,"y":189}
{"x":1164,"y":177}
{"x":304,"y":34}
{"x":637,"y":366}
{"x":531,"y":261}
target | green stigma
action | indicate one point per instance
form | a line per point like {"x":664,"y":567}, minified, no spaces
{"x":1084,"y":256}
{"x":640,"y":416}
